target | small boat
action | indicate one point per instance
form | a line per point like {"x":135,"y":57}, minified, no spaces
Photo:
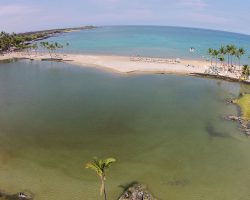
{"x":192,"y":49}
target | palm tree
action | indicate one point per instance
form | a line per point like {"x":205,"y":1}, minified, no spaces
{"x":228,"y":49}
{"x":222,"y":50}
{"x":222,"y":53}
{"x":35,"y":47}
{"x":44,"y":45}
{"x":246,"y":71}
{"x":240,"y":53}
{"x":215,"y":53}
{"x":233,"y":52}
{"x":221,"y":59}
{"x":100,"y":166}
{"x":210,"y":52}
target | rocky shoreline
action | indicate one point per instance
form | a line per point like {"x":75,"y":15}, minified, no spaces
{"x":134,"y":191}
{"x":225,"y":78}
{"x":244,"y":124}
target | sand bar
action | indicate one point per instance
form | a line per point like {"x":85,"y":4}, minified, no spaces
{"x":125,"y":64}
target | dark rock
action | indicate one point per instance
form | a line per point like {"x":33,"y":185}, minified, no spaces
{"x":229,"y":101}
{"x":244,"y":124}
{"x":52,"y":59}
{"x":19,"y":196}
{"x":247,"y":132}
{"x":137,"y":192}
{"x":233,"y":118}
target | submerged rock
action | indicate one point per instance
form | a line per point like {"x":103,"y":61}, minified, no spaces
{"x":137,"y":192}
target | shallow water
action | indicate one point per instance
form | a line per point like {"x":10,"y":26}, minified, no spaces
{"x":166,"y":131}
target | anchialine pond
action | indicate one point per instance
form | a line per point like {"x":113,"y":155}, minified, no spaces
{"x":165,"y":131}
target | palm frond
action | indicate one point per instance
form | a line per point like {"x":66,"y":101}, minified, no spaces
{"x":109,"y":161}
{"x":94,"y":165}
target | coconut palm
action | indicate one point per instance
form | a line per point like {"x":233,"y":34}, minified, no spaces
{"x":231,"y":51}
{"x":228,"y":49}
{"x":210,"y":53}
{"x":222,"y":51}
{"x":44,"y":45}
{"x":34,"y":47}
{"x":246,"y":71}
{"x":240,"y":52}
{"x":221,"y":59}
{"x":100,"y":167}
{"x":215,"y":53}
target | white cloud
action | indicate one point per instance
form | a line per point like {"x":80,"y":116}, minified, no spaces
{"x":16,"y":9}
{"x":194,"y":4}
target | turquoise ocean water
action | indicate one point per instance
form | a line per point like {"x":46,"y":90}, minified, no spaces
{"x":150,"y":41}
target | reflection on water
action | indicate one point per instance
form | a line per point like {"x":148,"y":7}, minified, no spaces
{"x":55,"y":117}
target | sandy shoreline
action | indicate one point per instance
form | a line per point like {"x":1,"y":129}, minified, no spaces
{"x":125,"y":64}
{"x":122,"y":64}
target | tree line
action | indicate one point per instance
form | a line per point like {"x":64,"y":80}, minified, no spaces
{"x":228,"y":53}
{"x":26,"y":42}
{"x":13,"y":41}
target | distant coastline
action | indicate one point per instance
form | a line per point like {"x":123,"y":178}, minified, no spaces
{"x":51,"y":32}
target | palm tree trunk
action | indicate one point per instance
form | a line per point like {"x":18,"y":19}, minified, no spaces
{"x":104,"y":191}
{"x":50,"y":53}
{"x":103,"y":188}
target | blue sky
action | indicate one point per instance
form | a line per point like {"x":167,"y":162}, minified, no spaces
{"x":26,"y":15}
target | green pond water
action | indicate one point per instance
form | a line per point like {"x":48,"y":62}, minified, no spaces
{"x":166,"y":131}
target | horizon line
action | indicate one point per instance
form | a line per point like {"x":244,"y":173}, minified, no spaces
{"x":134,"y":25}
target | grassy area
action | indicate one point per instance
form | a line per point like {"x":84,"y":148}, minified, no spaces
{"x":244,"y":103}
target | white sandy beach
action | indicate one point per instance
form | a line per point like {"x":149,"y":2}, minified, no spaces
{"x":125,"y":64}
{"x":122,"y":64}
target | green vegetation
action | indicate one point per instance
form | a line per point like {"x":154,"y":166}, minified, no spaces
{"x":230,"y":51}
{"x":100,"y":167}
{"x":13,"y":42}
{"x":51,"y":47}
{"x":245,"y":71}
{"x":244,"y":103}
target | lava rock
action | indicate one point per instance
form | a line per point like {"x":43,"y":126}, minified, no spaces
{"x":137,"y":192}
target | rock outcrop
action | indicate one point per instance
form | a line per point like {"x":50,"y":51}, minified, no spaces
{"x":137,"y":192}
{"x":244,"y":124}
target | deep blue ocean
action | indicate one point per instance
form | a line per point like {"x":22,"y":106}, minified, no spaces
{"x":155,"y":41}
